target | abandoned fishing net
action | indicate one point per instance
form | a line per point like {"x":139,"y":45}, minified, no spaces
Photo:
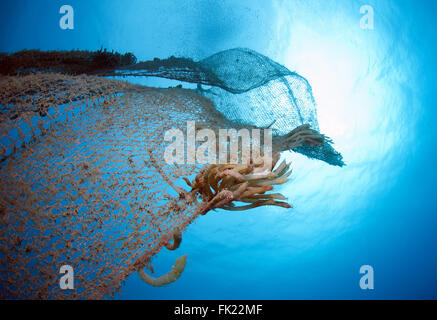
{"x":84,"y":180}
{"x":249,"y":88}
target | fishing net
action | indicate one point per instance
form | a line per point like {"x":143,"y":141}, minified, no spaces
{"x":249,"y":88}
{"x":84,"y":182}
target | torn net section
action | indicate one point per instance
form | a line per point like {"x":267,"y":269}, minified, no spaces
{"x":86,"y":192}
{"x":248,"y":88}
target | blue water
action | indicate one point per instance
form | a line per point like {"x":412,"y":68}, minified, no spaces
{"x":375,"y":94}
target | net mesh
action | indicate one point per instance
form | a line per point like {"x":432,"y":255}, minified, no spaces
{"x":85,"y":183}
{"x":87,"y":194}
{"x":248,"y":88}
